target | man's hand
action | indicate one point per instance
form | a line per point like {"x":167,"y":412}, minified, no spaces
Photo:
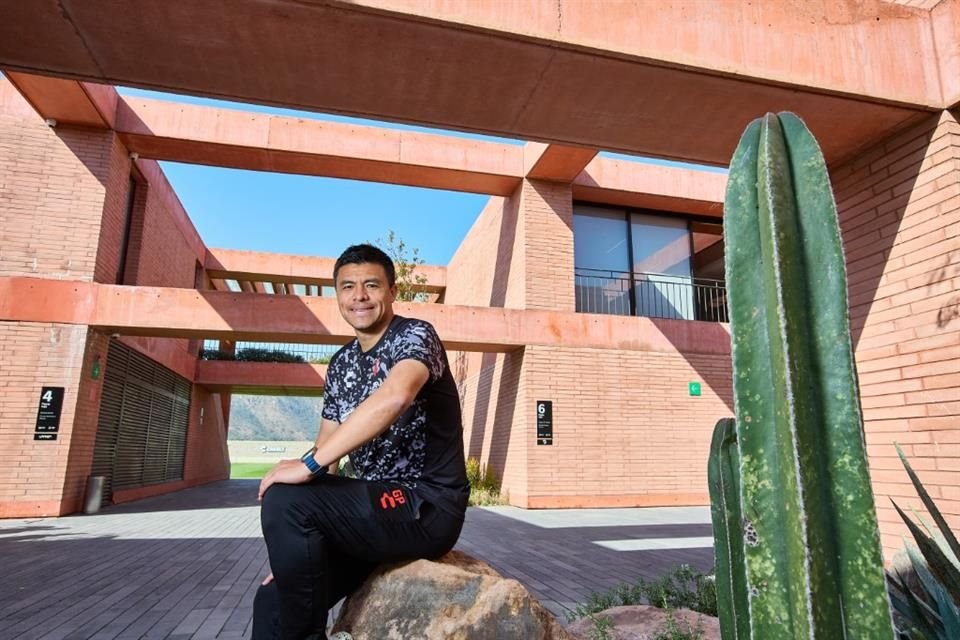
{"x":284,"y":472}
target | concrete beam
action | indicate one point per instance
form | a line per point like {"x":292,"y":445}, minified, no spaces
{"x":261,"y":378}
{"x":67,"y":101}
{"x":248,"y":140}
{"x":650,"y":186}
{"x":276,"y":267}
{"x":188,"y":313}
{"x":842,"y":46}
{"x":679,"y":82}
{"x":945,"y":23}
{"x":555,"y":162}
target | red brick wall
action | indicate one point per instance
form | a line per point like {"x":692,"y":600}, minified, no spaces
{"x":167,"y":245}
{"x":32,"y":474}
{"x":626,"y":430}
{"x":899,"y":207}
{"x":519,"y":252}
{"x":84,"y":428}
{"x":207,"y":457}
{"x":52,"y":196}
{"x":486,"y":269}
{"x":113,"y":212}
{"x":492,"y":390}
{"x":63,"y":204}
{"x":546,"y":210}
{"x":164,"y":251}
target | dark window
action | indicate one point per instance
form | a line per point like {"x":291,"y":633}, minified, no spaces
{"x":125,"y":240}
{"x":648,"y":264}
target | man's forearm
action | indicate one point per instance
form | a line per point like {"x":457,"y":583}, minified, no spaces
{"x":371,"y":418}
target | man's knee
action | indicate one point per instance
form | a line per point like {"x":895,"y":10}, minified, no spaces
{"x":277,"y":507}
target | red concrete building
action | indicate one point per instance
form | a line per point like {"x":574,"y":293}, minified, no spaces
{"x":589,"y":282}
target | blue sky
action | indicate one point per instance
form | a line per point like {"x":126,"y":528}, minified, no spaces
{"x":308,"y":215}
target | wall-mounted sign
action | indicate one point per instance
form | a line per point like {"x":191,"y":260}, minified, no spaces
{"x":44,"y":436}
{"x":544,"y":422}
{"x":694,"y":388}
{"x":48,"y":414}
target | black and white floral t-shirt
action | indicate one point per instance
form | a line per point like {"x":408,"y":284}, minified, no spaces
{"x":423,"y":449}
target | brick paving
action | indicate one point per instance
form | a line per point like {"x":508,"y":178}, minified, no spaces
{"x":186,"y":565}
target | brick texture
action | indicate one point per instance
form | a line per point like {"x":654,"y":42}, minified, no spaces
{"x":546,"y":210}
{"x":488,"y":269}
{"x":496,"y":428}
{"x":53,"y":196}
{"x":626,"y":431}
{"x":899,"y":208}
{"x":63,"y":210}
{"x":34,"y":355}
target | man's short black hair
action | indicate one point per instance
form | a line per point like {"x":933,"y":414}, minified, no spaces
{"x":364,"y":254}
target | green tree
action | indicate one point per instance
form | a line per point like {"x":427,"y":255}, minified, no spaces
{"x":411,"y":286}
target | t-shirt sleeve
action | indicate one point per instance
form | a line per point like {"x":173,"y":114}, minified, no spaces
{"x":419,"y":341}
{"x":330,"y":389}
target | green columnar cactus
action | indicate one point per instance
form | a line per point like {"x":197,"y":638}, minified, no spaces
{"x":723,"y":476}
{"x":811,"y":544}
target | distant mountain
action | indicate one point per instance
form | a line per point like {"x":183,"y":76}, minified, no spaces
{"x":274,"y":418}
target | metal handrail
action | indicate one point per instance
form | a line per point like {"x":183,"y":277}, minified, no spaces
{"x":653,"y":295}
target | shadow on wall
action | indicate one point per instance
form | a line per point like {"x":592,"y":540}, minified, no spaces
{"x":503,"y":261}
{"x":870,"y":221}
{"x":711,"y":362}
{"x":482,"y":405}
{"x":950,"y":310}
{"x":502,"y":405}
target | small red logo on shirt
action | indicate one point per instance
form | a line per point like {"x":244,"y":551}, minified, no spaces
{"x":376,"y":366}
{"x":390,"y":501}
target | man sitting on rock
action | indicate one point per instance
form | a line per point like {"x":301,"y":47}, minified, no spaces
{"x":391,"y":403}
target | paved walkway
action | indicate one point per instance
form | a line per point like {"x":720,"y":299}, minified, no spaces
{"x":186,"y":565}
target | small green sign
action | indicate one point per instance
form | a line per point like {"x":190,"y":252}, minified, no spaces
{"x":694,"y":388}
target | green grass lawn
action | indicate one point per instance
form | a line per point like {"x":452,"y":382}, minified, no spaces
{"x":249,"y":469}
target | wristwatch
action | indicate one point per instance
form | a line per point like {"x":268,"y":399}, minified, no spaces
{"x":315,"y":469}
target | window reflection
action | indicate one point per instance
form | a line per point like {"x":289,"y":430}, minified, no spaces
{"x":648,"y":264}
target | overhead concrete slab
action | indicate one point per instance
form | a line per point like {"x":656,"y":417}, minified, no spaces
{"x":388,"y":62}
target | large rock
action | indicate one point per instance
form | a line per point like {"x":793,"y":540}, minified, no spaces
{"x":642,"y":622}
{"x":454,"y":598}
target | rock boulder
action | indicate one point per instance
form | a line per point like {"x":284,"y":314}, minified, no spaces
{"x":454,"y":598}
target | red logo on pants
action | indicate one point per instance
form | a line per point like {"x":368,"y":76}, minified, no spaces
{"x":391,"y":500}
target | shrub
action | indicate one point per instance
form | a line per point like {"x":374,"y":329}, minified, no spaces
{"x":677,"y":631}
{"x":925,"y":589}
{"x":484,"y":485}
{"x":682,"y":588}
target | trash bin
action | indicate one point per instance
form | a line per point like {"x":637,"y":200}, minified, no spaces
{"x":94,"y":494}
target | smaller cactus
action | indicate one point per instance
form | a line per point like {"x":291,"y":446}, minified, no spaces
{"x":723,"y":476}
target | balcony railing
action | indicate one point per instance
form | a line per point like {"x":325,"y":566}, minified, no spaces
{"x":270,"y":352}
{"x":652,"y":295}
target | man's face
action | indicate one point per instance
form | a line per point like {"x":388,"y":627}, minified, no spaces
{"x":364,"y":296}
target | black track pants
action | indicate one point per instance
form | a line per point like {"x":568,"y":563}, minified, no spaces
{"x":324,"y":538}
